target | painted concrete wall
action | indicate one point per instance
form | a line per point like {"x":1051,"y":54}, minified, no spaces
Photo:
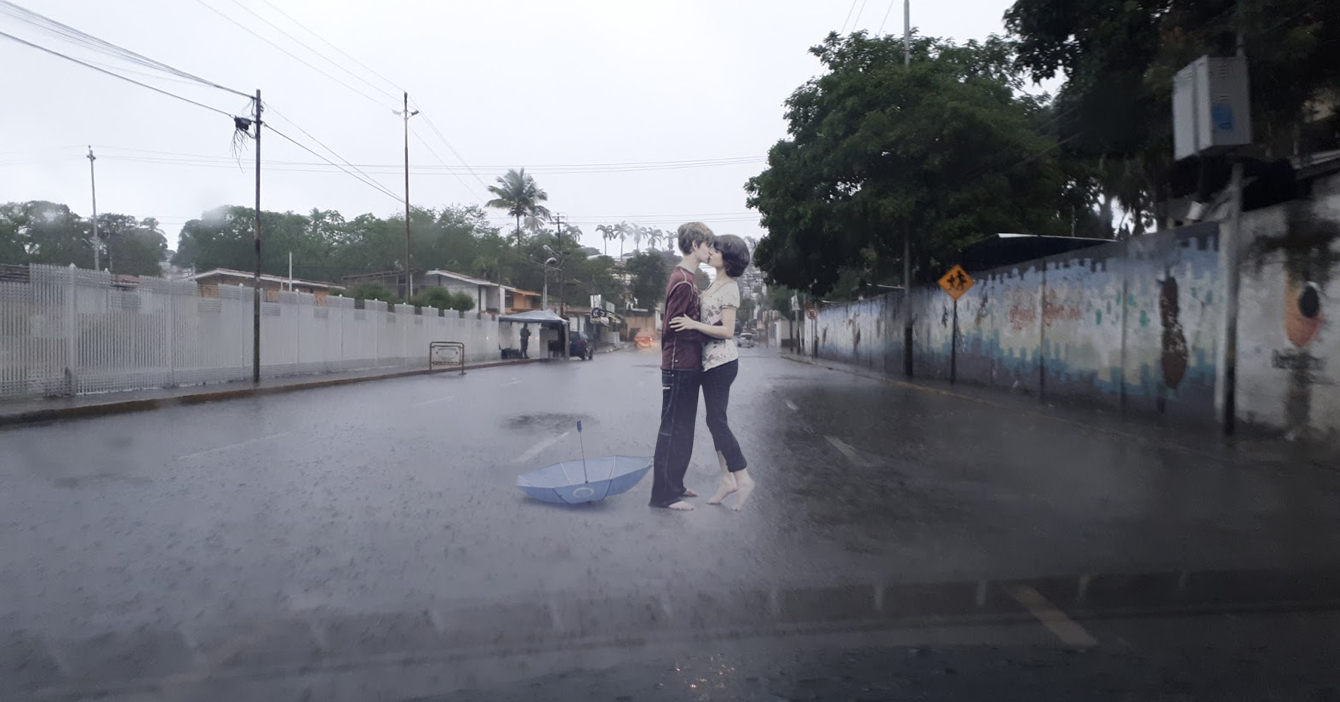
{"x":1132,"y":325}
{"x":1136,"y":325}
{"x":1289,"y":345}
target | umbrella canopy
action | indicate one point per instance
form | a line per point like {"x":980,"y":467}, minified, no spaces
{"x":533,"y":317}
{"x":575,"y":482}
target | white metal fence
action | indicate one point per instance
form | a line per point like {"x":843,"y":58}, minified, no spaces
{"x":70,"y":331}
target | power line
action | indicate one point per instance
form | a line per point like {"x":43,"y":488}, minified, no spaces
{"x":318,"y":53}
{"x":292,"y":55}
{"x":444,"y":163}
{"x":858,"y":16}
{"x":51,"y":26}
{"x":453,"y":150}
{"x":886,"y":16}
{"x":180,"y":157}
{"x":115,"y":75}
{"x":333,"y":152}
{"x":304,"y":147}
{"x":843,"y":30}
{"x":328,"y":43}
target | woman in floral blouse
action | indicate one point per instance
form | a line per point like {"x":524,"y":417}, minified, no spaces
{"x":730,"y":256}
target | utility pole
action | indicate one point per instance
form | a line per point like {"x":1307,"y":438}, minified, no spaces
{"x":563,"y":287}
{"x":907,"y":230}
{"x":97,"y":243}
{"x":409,"y":280}
{"x":1232,"y":258}
{"x":256,"y":243}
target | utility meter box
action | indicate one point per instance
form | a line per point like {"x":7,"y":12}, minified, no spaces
{"x":1211,"y":106}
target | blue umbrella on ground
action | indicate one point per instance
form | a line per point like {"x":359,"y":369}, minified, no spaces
{"x":575,"y":482}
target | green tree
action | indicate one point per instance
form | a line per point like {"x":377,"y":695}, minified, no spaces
{"x":779,"y":300}
{"x":134,"y":247}
{"x":443,"y":299}
{"x":650,"y":271}
{"x":519,"y":196}
{"x":1118,"y":58}
{"x":946,"y":149}
{"x":44,"y":232}
{"x":220,"y":238}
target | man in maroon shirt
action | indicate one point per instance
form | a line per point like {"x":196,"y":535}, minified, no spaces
{"x":681,"y":368}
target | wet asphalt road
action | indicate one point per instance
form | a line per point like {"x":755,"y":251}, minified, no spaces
{"x":199,"y":550}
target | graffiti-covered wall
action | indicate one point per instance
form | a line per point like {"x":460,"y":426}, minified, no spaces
{"x":1131,"y":325}
{"x":1138,"y":325}
{"x":1288,"y":350}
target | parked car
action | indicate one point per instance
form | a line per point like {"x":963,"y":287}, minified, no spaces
{"x":579,"y":346}
{"x":746,"y":341}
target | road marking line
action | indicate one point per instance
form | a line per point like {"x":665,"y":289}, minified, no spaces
{"x":537,"y":448}
{"x":229,"y":447}
{"x":1066,"y":629}
{"x":431,"y":402}
{"x":793,"y":406}
{"x":847,"y":450}
{"x":510,"y":383}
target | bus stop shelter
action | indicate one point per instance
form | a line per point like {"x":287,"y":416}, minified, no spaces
{"x":545,"y":320}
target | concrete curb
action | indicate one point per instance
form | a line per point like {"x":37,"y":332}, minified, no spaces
{"x":144,"y":404}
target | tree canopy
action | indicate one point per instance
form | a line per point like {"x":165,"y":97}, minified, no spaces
{"x":1118,"y":59}
{"x":948,"y":149}
{"x":50,"y":233}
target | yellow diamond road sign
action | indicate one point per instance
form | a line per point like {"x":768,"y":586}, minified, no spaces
{"x":956,"y":282}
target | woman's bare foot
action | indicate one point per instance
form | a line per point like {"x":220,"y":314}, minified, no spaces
{"x":688,"y":492}
{"x":681,"y":506}
{"x":728,"y":486}
{"x":746,"y":486}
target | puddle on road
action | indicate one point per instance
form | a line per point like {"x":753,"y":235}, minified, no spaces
{"x":77,"y":481}
{"x":548,"y":421}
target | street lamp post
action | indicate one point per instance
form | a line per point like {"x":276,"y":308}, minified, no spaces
{"x":544,"y":302}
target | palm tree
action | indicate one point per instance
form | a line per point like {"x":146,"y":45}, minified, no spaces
{"x":639,"y":234}
{"x":654,"y":236}
{"x":623,"y":230}
{"x":518,"y":194}
{"x":607,"y":232}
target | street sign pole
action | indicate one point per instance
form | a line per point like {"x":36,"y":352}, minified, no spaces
{"x":956,"y":282}
{"x":953,"y":347}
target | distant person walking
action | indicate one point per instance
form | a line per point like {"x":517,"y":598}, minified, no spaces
{"x":525,"y":340}
{"x":729,"y":255}
{"x":681,"y":368}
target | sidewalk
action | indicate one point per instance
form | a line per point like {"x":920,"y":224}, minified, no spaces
{"x":52,"y":409}
{"x":1249,"y":446}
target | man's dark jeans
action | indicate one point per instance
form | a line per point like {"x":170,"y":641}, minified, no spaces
{"x":674,"y":442}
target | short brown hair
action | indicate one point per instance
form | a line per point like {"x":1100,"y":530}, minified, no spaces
{"x":692,"y":234}
{"x":734,"y":253}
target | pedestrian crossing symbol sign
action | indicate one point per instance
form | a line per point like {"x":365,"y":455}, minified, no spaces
{"x":956,"y":282}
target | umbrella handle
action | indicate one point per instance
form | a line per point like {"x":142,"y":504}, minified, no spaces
{"x":583,"y":445}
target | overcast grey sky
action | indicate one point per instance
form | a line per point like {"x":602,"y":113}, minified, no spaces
{"x":549,"y":85}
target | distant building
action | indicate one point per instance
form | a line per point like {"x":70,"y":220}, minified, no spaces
{"x":485,"y":293}
{"x":210,"y":281}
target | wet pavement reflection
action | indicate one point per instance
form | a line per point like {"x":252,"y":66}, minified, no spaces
{"x":292,"y":541}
